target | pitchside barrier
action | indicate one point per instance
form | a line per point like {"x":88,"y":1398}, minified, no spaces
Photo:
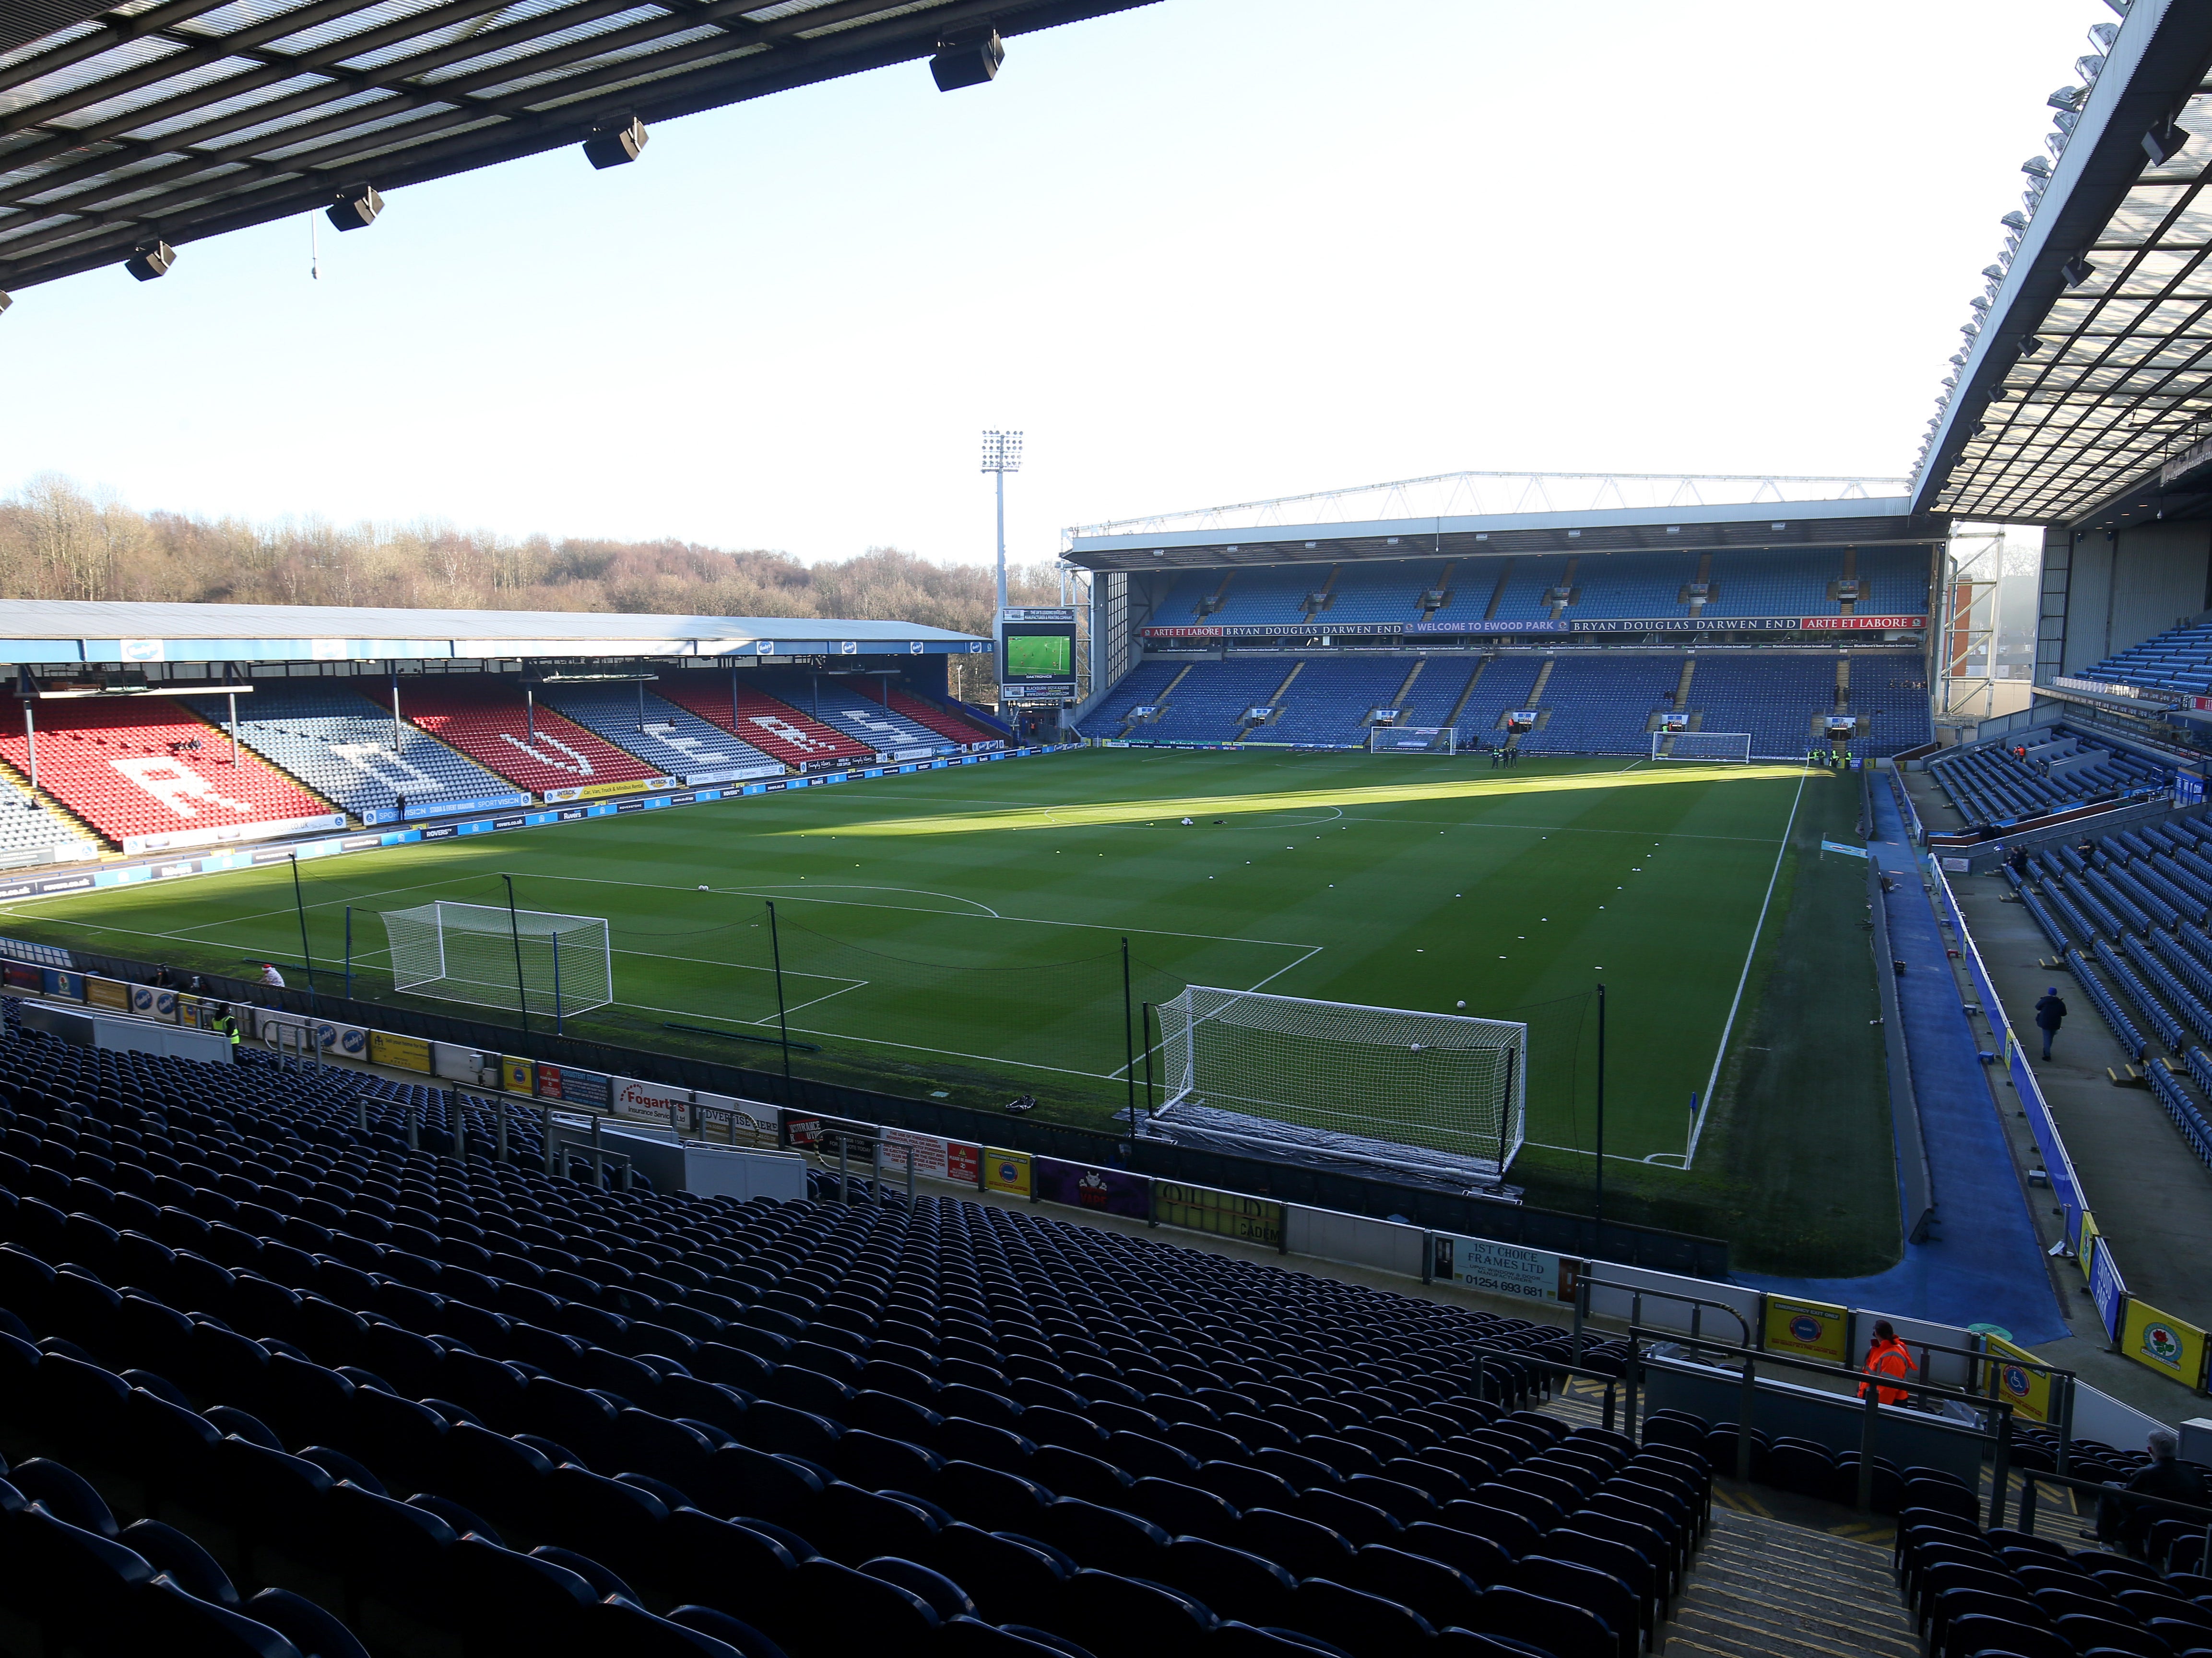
{"x":1504,"y":1254}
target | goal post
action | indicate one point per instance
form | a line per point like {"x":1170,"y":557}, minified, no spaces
{"x":1727,"y":747}
{"x":1404,"y":1084}
{"x":1412,"y":739}
{"x":489,"y":956}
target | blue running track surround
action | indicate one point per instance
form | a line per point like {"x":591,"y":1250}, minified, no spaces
{"x":1987,"y":1265}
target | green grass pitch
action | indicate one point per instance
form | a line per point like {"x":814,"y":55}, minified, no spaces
{"x":958,"y":934}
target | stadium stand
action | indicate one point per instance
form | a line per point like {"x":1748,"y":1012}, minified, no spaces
{"x":487,"y":1400}
{"x":1775,"y":697}
{"x":1891,"y":582}
{"x":660,"y":734}
{"x":776,"y":728}
{"x":1143,"y":686}
{"x":851,"y":704}
{"x":2062,"y":768}
{"x":487,"y":720}
{"x":143,"y":769}
{"x":34,"y":832}
{"x":1601,"y":702}
{"x":2000,"y":1590}
{"x":2129,"y":921}
{"x":1258,"y":596}
{"x":2179,"y":660}
{"x":1596,"y":700}
{"x":1505,"y":686}
{"x":1329,"y":701}
{"x":1208,"y":706}
{"x":335,"y":740}
{"x":951,"y":726}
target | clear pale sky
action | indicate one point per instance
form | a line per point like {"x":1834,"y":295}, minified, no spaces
{"x":1204,"y":252}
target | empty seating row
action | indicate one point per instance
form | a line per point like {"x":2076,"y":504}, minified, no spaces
{"x":495,"y":724}
{"x":856,"y":705}
{"x":1889,"y":581}
{"x":336,"y":741}
{"x":656,"y":731}
{"x":140,"y":768}
{"x":951,"y":1428}
{"x":776,"y":728}
{"x":1594,"y":700}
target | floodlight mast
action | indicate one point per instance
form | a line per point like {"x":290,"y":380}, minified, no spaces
{"x":1002,"y":453}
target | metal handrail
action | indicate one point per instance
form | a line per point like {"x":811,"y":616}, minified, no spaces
{"x":1871,"y":1390}
{"x":2104,"y":1489}
{"x":1697,"y":1304}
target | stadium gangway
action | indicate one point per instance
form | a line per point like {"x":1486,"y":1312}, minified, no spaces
{"x":291,"y":1040}
{"x":566,"y":1142}
{"x":1997,"y":1438}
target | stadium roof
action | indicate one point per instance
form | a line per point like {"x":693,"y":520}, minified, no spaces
{"x":1495,"y":513}
{"x":46,"y":631}
{"x":2071,"y":398}
{"x":178,"y":120}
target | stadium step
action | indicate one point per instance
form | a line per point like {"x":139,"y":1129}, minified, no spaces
{"x":1764,"y":1588}
{"x":1682,"y":685}
{"x":1467,"y":691}
{"x":76,"y":828}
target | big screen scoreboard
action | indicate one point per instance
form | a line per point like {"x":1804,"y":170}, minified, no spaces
{"x":1037,"y":654}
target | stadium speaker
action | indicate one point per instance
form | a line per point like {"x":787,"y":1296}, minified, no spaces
{"x":2077,"y":271}
{"x":967,"y":59}
{"x":6,"y":300}
{"x":150,"y":259}
{"x":616,"y":144}
{"x":356,"y":205}
{"x":2164,"y":142}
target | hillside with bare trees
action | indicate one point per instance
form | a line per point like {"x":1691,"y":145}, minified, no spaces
{"x":59,"y":541}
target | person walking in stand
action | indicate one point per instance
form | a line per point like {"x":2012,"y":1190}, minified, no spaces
{"x":1887,"y":1357}
{"x":224,"y":1023}
{"x":2050,"y":1014}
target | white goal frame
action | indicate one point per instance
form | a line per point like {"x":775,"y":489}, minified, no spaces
{"x":1247,"y":1065}
{"x":1392,"y":739}
{"x":1708,"y":748}
{"x":474,"y":953}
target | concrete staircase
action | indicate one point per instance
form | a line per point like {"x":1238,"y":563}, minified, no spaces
{"x":1764,"y":1588}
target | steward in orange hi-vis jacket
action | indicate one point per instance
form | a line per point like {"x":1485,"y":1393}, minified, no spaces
{"x":1887,"y":1357}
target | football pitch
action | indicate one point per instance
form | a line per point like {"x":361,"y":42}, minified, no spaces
{"x":959,"y":934}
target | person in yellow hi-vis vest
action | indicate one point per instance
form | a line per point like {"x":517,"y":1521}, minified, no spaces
{"x":1886,"y":1356}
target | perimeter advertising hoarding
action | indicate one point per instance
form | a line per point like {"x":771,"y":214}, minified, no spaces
{"x":1659,"y":624}
{"x":1036,"y":651}
{"x":1108,"y":1191}
{"x":1504,"y":1269}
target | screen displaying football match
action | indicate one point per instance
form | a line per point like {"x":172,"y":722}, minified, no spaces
{"x":1040,"y":656}
{"x":1036,"y":650}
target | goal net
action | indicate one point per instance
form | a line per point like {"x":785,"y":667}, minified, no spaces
{"x":489,"y":955}
{"x":1709,"y":746}
{"x":1376,"y":1084}
{"x":1412,"y":739}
